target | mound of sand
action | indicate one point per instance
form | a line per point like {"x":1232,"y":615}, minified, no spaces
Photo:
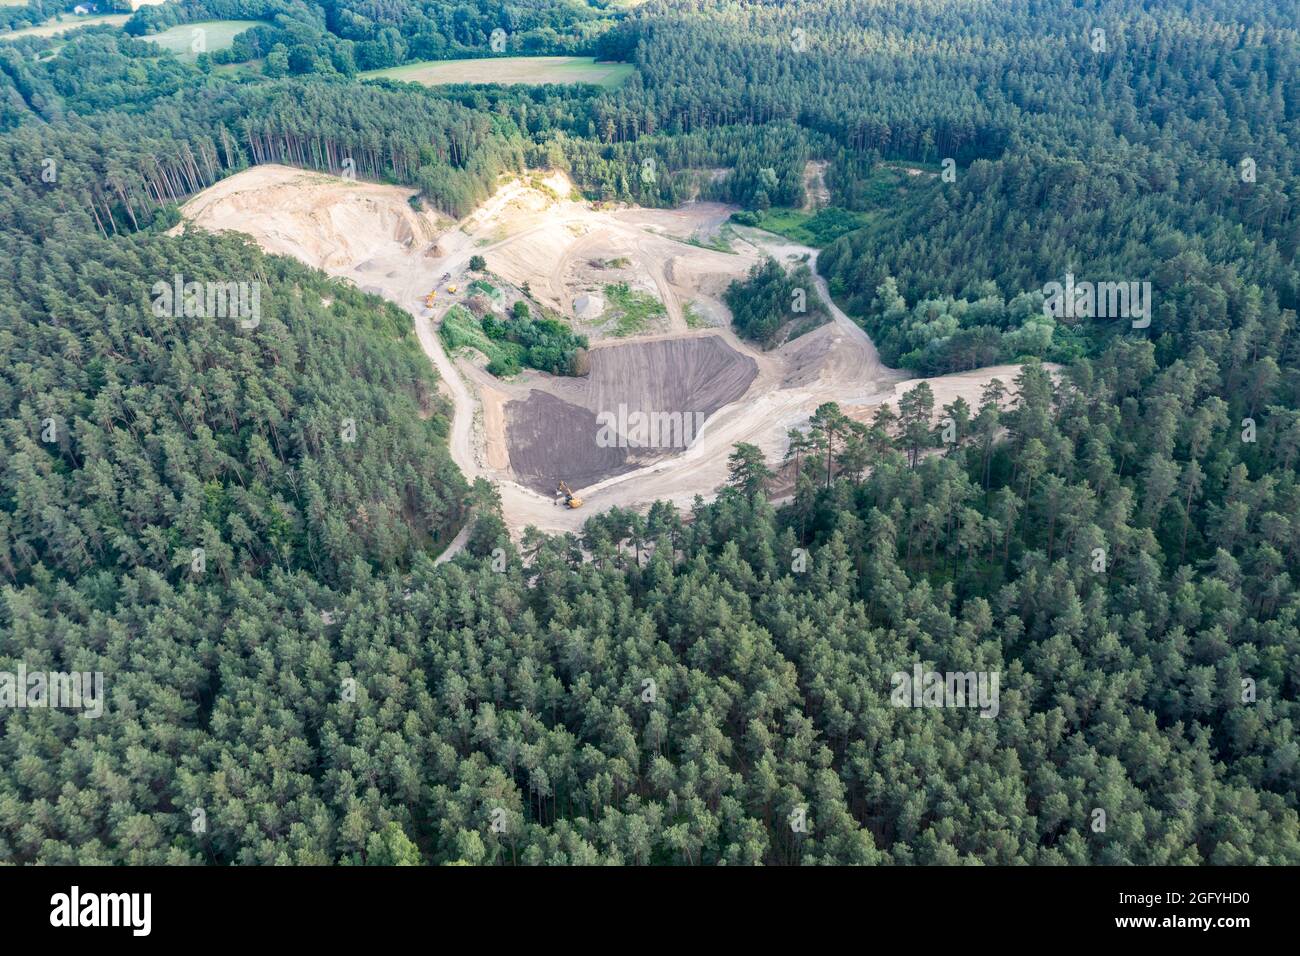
{"x":588,"y":306}
{"x":825,"y":355}
{"x":479,"y":304}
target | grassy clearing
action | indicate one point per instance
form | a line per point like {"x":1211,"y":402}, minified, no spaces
{"x":240,"y":70}
{"x":631,"y":310}
{"x":69,"y":22}
{"x":217,"y":35}
{"x":811,"y":229}
{"x":507,"y":70}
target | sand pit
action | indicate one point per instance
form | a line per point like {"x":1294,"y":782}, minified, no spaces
{"x":324,"y":221}
{"x":528,"y":433}
{"x":642,"y":402}
{"x":699,"y":219}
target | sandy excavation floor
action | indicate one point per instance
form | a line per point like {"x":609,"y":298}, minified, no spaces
{"x":518,"y":432}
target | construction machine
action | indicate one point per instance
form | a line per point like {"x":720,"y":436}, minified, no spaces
{"x":570,"y":499}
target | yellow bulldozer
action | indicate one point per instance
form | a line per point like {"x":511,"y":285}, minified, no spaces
{"x":570,"y":499}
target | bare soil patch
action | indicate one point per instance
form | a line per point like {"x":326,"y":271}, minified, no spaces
{"x":552,"y":440}
{"x":553,"y":433}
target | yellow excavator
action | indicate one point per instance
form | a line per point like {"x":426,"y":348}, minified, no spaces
{"x":570,"y":499}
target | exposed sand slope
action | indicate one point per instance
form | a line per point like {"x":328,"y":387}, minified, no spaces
{"x":324,"y":221}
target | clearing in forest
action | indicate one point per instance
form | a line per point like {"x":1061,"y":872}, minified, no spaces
{"x":69,"y":22}
{"x":507,"y":70}
{"x":216,"y":35}
{"x":655,"y":413}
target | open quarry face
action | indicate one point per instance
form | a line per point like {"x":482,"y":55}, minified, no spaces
{"x":331,"y":223}
{"x":661,"y":409}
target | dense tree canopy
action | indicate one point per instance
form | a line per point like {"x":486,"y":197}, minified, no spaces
{"x":1119,"y":542}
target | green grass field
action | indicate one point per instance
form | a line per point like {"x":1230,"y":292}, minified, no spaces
{"x":812,"y":229}
{"x":509,"y":70}
{"x":69,"y":22}
{"x":217,"y":35}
